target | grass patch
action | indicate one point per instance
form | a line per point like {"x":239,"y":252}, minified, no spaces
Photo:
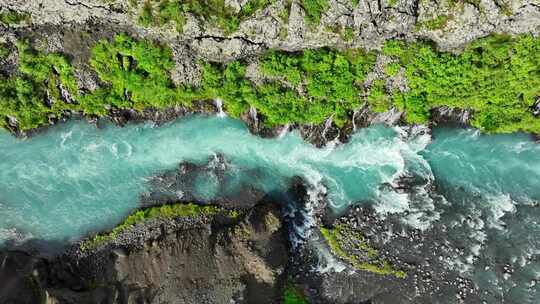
{"x":498,"y":77}
{"x":336,"y":236}
{"x":436,"y":23}
{"x":314,"y":10}
{"x":214,"y":12}
{"x":348,"y":34}
{"x":10,"y":17}
{"x":162,"y":212}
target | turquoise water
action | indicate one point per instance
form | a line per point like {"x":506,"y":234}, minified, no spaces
{"x":75,"y":178}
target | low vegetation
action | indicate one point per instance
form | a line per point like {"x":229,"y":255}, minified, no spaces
{"x":314,"y":10}
{"x":135,"y":75}
{"x":341,"y":234}
{"x":214,"y":12}
{"x":12,"y":17}
{"x":497,"y":77}
{"x":40,"y":90}
{"x":292,"y":295}
{"x":162,"y":212}
{"x":436,"y":23}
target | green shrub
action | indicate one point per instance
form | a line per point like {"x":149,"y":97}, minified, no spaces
{"x":4,"y":51}
{"x":331,"y":81}
{"x":497,"y":77}
{"x":40,"y":80}
{"x":378,"y":99}
{"x":135,"y":74}
{"x":314,"y":10}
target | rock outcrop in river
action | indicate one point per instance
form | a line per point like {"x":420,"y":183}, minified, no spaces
{"x":200,"y":259}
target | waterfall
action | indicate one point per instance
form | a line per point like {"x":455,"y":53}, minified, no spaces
{"x":354,"y":119}
{"x":465,"y":116}
{"x":253,"y":115}
{"x":219,"y":105}
{"x":284,"y":131}
{"x":327,"y":125}
{"x":390,"y":117}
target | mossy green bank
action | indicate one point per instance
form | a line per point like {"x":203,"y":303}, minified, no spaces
{"x":162,"y":212}
{"x":497,"y":78}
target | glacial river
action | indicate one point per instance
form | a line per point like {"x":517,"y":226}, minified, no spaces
{"x":74,"y":178}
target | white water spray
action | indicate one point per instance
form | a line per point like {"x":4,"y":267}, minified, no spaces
{"x":219,"y":105}
{"x":284,"y":131}
{"x":253,"y":115}
{"x":327,"y":125}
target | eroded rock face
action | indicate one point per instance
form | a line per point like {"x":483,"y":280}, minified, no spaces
{"x":202,"y":260}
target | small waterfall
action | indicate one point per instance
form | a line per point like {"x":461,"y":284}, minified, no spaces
{"x":253,"y":115}
{"x":354,"y":119}
{"x":284,"y":131}
{"x":465,"y":116}
{"x":536,"y":107}
{"x":327,"y":125}
{"x":303,"y":229}
{"x":219,"y":105}
{"x":390,"y":117}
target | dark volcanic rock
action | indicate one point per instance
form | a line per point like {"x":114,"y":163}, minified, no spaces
{"x":422,"y":255}
{"x":201,"y":260}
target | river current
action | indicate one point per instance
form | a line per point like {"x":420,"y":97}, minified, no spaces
{"x":74,"y":178}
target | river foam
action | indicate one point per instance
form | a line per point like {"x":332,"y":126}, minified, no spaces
{"x":74,"y":179}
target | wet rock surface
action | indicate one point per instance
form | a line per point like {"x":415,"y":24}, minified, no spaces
{"x":422,"y":255}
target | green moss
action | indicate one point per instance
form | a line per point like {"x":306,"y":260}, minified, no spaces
{"x":214,"y":12}
{"x":378,"y":99}
{"x":12,"y":17}
{"x":392,"y":69}
{"x":340,"y":233}
{"x":392,"y":3}
{"x":162,"y":212}
{"x":436,"y":23}
{"x":292,"y":295}
{"x":314,"y":10}
{"x":497,"y":77}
